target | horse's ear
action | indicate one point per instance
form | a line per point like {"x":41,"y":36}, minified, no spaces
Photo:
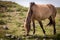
{"x":32,"y":3}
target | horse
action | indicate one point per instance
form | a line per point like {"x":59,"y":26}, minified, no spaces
{"x":40,"y":12}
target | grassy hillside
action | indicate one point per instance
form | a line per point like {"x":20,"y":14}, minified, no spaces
{"x":58,"y":9}
{"x":14,"y":17}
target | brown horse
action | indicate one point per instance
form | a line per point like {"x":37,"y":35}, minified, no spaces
{"x":39,"y":13}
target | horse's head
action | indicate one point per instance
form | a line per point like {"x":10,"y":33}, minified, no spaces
{"x":26,"y":27}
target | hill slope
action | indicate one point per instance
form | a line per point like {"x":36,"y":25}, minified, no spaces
{"x":13,"y":17}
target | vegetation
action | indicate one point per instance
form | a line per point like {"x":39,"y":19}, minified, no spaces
{"x":14,"y":18}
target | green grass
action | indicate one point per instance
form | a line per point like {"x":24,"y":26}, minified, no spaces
{"x":15,"y":21}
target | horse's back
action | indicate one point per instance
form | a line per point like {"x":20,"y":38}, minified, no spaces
{"x":43,"y":11}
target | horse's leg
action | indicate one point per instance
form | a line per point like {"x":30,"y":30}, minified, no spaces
{"x":50,"y":23}
{"x":33,"y":26}
{"x":53,"y":21}
{"x":42,"y":26}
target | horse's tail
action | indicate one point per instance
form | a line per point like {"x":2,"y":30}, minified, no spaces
{"x":53,"y":9}
{"x":52,"y":17}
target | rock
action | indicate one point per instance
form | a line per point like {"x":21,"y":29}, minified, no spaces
{"x":8,"y":35}
{"x":5,"y":27}
{"x":1,"y":39}
{"x":13,"y":37}
{"x":18,"y":38}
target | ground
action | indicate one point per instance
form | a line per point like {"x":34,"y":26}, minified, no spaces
{"x":14,"y":18}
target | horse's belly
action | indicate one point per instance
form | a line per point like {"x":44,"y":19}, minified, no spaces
{"x":39,"y":16}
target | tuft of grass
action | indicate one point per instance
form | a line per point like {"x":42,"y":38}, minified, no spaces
{"x":10,"y":10}
{"x":2,"y":22}
{"x":2,"y":15}
{"x":18,"y":24}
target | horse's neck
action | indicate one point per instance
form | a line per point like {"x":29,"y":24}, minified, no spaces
{"x":28,"y":18}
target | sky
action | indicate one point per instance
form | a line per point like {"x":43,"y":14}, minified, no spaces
{"x":26,"y":2}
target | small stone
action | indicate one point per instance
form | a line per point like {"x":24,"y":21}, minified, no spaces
{"x":8,"y":35}
{"x":44,"y":39}
{"x":18,"y":39}
{"x":13,"y":37}
{"x":36,"y":39}
{"x":5,"y":27}
{"x":1,"y":39}
{"x":51,"y":39}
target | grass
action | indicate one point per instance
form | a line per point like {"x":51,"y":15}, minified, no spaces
{"x":15,"y":21}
